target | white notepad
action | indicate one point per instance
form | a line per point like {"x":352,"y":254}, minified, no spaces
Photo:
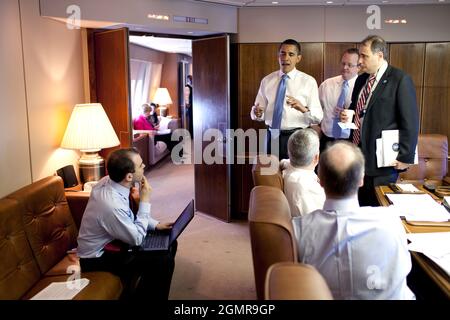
{"x":61,"y":290}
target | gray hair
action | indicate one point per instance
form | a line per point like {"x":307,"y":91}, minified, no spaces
{"x":303,"y":145}
{"x":377,"y":44}
{"x":146,"y":108}
{"x":341,"y":168}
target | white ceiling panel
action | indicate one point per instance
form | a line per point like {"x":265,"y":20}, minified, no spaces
{"x":275,"y":3}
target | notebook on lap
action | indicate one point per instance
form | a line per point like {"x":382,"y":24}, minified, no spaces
{"x":160,"y":240}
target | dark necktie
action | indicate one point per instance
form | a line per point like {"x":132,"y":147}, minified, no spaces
{"x":359,"y":107}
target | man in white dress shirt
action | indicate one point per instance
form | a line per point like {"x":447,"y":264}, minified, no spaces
{"x":299,"y":105}
{"x":335,"y":94}
{"x":360,"y":251}
{"x":108,"y":217}
{"x":301,"y":185}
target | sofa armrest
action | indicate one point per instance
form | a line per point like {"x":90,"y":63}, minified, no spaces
{"x":77,"y":204}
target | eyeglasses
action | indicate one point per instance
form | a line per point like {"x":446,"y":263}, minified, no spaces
{"x":343,"y":64}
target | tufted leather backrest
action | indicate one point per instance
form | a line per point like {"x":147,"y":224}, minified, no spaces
{"x":432,"y":167}
{"x":271,"y":232}
{"x":295,"y":281}
{"x":49,"y":226}
{"x":261,"y":174}
{"x":18,"y":269}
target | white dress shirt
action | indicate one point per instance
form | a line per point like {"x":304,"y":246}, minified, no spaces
{"x":329,"y":92}
{"x":302,"y":189}
{"x":360,"y":251}
{"x":108,"y":217}
{"x":299,"y":85}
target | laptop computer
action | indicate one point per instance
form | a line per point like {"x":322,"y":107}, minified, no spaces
{"x":162,"y":240}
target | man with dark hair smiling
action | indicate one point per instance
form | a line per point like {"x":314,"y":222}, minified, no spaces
{"x":108,"y":217}
{"x":287,"y":100}
{"x":360,"y":251}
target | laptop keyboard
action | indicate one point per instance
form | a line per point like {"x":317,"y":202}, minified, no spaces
{"x":155,"y":239}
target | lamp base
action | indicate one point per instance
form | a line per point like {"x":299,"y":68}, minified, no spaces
{"x":92,"y":167}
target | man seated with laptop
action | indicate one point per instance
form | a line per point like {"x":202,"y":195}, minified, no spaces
{"x":108,"y":217}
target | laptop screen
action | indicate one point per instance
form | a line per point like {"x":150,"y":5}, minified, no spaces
{"x":182,"y":221}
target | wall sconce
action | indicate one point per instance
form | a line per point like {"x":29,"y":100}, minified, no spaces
{"x":89,"y":130}
{"x":162,"y":98}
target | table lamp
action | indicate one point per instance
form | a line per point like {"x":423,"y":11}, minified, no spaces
{"x":162,"y":98}
{"x":90,"y":130}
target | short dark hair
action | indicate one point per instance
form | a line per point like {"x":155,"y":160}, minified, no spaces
{"x":339,"y":180}
{"x":293,"y":43}
{"x":377,"y":44}
{"x":351,"y":51}
{"x":119,"y":163}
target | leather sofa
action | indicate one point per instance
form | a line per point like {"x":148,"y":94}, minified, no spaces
{"x":144,"y":141}
{"x":37,"y":229}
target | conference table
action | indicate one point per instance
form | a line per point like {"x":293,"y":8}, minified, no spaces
{"x":433,"y":272}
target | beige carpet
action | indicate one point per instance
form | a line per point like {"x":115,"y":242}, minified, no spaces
{"x":214,"y":258}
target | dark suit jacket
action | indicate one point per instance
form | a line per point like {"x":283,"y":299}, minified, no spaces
{"x":392,"y":106}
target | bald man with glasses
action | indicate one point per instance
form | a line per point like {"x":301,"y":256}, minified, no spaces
{"x":335,"y":95}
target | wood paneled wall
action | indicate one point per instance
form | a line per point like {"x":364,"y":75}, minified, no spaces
{"x":427,"y":63}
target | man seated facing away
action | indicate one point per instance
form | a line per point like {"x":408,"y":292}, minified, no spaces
{"x":360,"y":251}
{"x":108,"y":217}
{"x":301,"y":185}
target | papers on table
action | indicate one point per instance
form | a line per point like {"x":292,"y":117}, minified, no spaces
{"x":435,"y":245}
{"x":418,"y":207}
{"x":387,"y":148}
{"x":61,"y":290}
{"x":407,"y":187}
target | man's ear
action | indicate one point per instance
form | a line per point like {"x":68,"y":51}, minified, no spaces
{"x":129,"y":177}
{"x":299,"y":58}
{"x":361,"y":181}
{"x":316,"y":158}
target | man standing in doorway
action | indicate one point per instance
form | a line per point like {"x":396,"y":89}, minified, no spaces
{"x":188,"y":104}
{"x":287,"y":99}
{"x":384,"y":98}
{"x":335,"y":95}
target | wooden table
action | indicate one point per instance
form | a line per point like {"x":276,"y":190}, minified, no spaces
{"x":436,"y":274}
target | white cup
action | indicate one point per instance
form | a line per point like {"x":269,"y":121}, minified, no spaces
{"x":349,"y":114}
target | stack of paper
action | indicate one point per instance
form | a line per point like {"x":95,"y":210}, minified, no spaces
{"x":61,"y":290}
{"x":418,"y":207}
{"x":435,"y":245}
{"x":387,"y":148}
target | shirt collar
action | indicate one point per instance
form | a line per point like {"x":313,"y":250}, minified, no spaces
{"x":345,"y":204}
{"x":123,"y":191}
{"x":350,"y":81}
{"x":291,"y":74}
{"x":381,"y":70}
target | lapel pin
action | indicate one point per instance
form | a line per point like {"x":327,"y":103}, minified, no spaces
{"x":384,"y":81}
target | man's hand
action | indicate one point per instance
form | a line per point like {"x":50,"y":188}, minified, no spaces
{"x":161,"y":226}
{"x":400,"y":165}
{"x":343,"y":117}
{"x":297,"y":105}
{"x":258,"y":111}
{"x":146,"y":190}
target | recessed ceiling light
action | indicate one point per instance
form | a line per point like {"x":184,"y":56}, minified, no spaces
{"x":329,"y":2}
{"x":274,"y":2}
{"x":158,"y":16}
{"x":190,"y":32}
{"x":385,"y":1}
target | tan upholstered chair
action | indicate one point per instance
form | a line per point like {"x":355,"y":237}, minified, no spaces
{"x":271,"y":232}
{"x":433,"y":157}
{"x":295,"y":281}
{"x":263,"y":179}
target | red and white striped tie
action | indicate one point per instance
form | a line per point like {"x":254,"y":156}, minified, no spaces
{"x":359,"y":107}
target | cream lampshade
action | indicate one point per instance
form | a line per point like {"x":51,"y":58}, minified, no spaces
{"x":162,"y":98}
{"x":89,"y":130}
